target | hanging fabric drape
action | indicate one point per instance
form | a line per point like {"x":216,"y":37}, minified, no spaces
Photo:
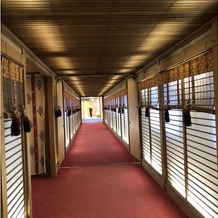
{"x":192,"y":79}
{"x":187,"y":115}
{"x":12,"y":77}
{"x":35,"y":110}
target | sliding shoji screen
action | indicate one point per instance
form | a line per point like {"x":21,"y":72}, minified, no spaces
{"x":13,"y":96}
{"x":106,"y":115}
{"x":145,"y":127}
{"x":71,"y":117}
{"x":125,"y":119}
{"x":106,"y":111}
{"x":66,"y":120}
{"x":72,"y":114}
{"x":201,"y":147}
{"x":14,"y":172}
{"x":118,"y":112}
{"x":156,"y":161}
{"x":202,"y":177}
{"x":146,"y":151}
{"x":175,"y":149}
{"x":150,"y":125}
{"x":114,"y":117}
{"x":77,"y":113}
{"x":195,"y":179}
{"x":111,"y":114}
{"x":74,"y":117}
{"x":202,"y":164}
{"x":122,"y":122}
{"x":191,"y":148}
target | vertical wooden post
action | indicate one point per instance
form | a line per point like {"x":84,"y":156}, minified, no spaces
{"x":26,"y":164}
{"x":134,"y":136}
{"x":102,"y":111}
{"x":3,"y":199}
{"x":162,"y":136}
{"x":59,"y":125}
{"x":50,"y":128}
{"x":215,"y":72}
{"x":184,"y":141}
{"x":140,"y":121}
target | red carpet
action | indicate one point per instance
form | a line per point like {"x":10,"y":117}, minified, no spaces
{"x":95,"y":144}
{"x":125,"y":191}
{"x":109,"y":190}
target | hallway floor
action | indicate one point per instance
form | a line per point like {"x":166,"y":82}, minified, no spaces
{"x":100,"y":179}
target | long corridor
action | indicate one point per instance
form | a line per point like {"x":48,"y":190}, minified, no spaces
{"x":100,"y":179}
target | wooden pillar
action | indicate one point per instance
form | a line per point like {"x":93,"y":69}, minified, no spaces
{"x":26,"y":163}
{"x":162,"y":136}
{"x":51,"y":163}
{"x":134,"y":135}
{"x":3,"y":199}
{"x":215,"y":71}
{"x":59,"y":124}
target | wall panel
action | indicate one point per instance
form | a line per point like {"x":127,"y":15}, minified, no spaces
{"x":175,"y":152}
{"x":14,"y":173}
{"x":202,"y":164}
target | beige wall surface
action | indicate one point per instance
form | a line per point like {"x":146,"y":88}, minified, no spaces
{"x":60,"y":124}
{"x":134,"y":134}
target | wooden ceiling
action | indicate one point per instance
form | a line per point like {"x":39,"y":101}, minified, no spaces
{"x":94,"y":45}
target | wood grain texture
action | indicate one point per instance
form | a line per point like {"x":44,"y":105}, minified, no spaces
{"x":104,"y":41}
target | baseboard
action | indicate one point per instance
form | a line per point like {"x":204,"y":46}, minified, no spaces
{"x":182,"y":203}
{"x":177,"y":198}
{"x":154,"y":174}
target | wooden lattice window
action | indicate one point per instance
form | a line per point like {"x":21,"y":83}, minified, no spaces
{"x":12,"y":80}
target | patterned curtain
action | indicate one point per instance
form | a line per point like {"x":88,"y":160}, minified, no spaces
{"x":36,"y":113}
{"x":194,"y":78}
{"x":12,"y":84}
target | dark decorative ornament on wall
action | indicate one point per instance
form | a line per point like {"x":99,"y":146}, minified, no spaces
{"x":32,"y":150}
{"x":40,"y":110}
{"x":42,"y":135}
{"x":39,"y":84}
{"x":42,"y":161}
{"x":29,"y":98}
